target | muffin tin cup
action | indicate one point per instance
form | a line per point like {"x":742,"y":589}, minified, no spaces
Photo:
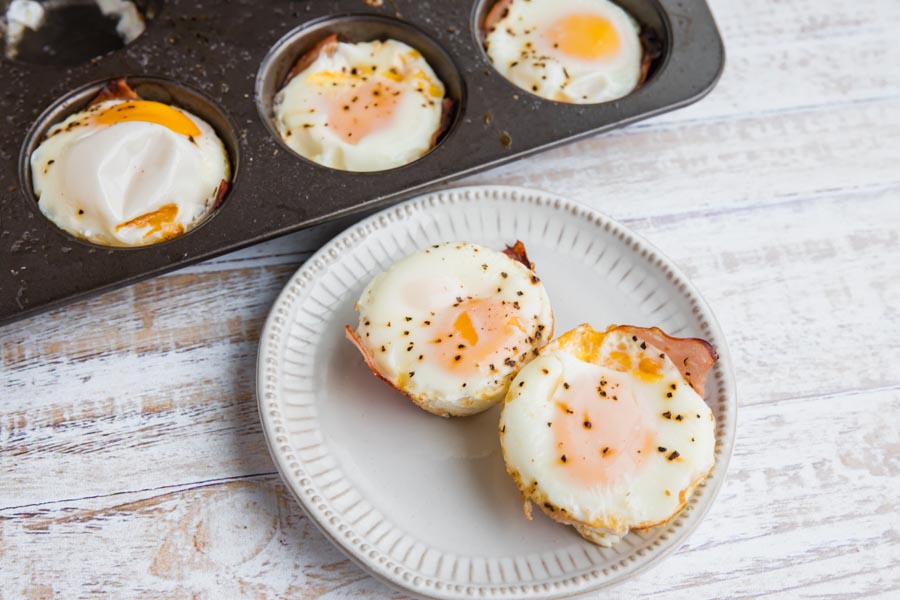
{"x":352,"y":28}
{"x":231,"y":58}
{"x":148,"y":88}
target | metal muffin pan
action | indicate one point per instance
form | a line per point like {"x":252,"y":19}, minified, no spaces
{"x":223,"y":60}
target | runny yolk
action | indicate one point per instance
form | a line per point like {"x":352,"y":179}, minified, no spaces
{"x":463,"y":325}
{"x":359,"y":111}
{"x":604,"y":438}
{"x":149,"y":112}
{"x":160,"y":220}
{"x":477,"y":334}
{"x":584,"y":36}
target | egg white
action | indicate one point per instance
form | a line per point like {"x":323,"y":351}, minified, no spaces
{"x":642,"y":496}
{"x":519,"y":50}
{"x":400,"y":312}
{"x":91,"y":178}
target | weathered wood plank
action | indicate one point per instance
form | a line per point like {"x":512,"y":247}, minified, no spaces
{"x":248,"y":538}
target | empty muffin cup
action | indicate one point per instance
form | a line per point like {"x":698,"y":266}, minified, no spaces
{"x":129,"y":163}
{"x":71,"y":32}
{"x":359,"y":93}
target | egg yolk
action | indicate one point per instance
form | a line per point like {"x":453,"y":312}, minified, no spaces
{"x":160,"y":220}
{"x":359,"y":111}
{"x":148,"y":112}
{"x":584,"y":36}
{"x":478,"y":336}
{"x":600,"y":431}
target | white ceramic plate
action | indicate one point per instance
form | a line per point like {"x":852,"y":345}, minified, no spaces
{"x":424,"y":503}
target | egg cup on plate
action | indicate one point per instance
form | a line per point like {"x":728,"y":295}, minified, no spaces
{"x":608,"y":431}
{"x":451,"y":325}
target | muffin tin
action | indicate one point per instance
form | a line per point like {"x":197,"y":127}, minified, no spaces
{"x":224,"y":61}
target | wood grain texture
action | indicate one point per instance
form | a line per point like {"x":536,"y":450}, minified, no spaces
{"x":131,"y":458}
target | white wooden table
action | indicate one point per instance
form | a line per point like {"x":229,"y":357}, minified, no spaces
{"x":132,"y":464}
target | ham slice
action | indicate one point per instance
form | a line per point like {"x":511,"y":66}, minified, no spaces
{"x":328,"y":45}
{"x":693,"y":357}
{"x":517,"y":252}
{"x":116,"y":89}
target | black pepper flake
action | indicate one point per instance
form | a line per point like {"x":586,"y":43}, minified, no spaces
{"x":484,"y":267}
{"x":492,"y":367}
{"x":588,"y":425}
{"x":457,"y":358}
{"x":521,"y":384}
{"x":421,"y":356}
{"x":504,"y":275}
{"x":667,"y":414}
{"x":565,"y":385}
{"x":535,"y":279}
{"x":548,"y":506}
{"x":634,"y":338}
{"x":698,"y":416}
{"x":603,"y":393}
{"x":80,"y":211}
{"x":409,"y":348}
{"x":427,"y":322}
{"x":383,"y":349}
{"x":643,"y":345}
{"x":549,"y":423}
{"x":461,"y":346}
{"x":668,"y":394}
{"x":520,"y":293}
{"x":503,"y":429}
{"x":679,"y":417}
{"x":408,"y":318}
{"x":464,"y":385}
{"x":563,"y":458}
{"x":661,"y":449}
{"x":509,"y":362}
{"x":412,"y":373}
{"x":405,"y":333}
{"x":673,"y":386}
{"x":674,"y":455}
